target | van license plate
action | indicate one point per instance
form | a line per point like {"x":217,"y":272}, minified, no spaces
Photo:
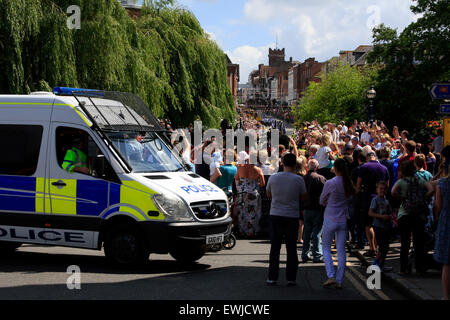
{"x":214,"y":238}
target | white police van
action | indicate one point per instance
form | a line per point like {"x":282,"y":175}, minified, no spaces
{"x":138,"y":198}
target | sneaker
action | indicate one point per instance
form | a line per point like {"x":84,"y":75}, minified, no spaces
{"x":305,"y":260}
{"x":318,"y":260}
{"x":271,"y":282}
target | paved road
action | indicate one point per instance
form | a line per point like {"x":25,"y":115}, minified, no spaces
{"x":37,"y":272}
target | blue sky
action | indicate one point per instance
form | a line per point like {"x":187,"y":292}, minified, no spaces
{"x":245,"y":29}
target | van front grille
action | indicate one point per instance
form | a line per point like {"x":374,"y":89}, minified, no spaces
{"x":208,"y":210}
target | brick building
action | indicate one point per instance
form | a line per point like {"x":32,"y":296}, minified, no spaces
{"x":233,"y":78}
{"x":300,"y":75}
{"x":270,"y":82}
{"x":309,"y":72}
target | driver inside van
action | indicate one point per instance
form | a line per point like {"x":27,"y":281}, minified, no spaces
{"x":134,"y":146}
{"x":75,"y":159}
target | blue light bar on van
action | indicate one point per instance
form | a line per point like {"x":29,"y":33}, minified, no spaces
{"x":65,"y":91}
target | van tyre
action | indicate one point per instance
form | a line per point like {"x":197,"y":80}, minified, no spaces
{"x":9,"y":247}
{"x":187,"y":254}
{"x":124,"y":246}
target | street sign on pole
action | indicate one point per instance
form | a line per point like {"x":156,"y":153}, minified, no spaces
{"x":440,"y":91}
{"x":445,"y":109}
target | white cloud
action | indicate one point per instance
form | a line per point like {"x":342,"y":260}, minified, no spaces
{"x":322,"y":28}
{"x":249,"y":58}
{"x":211,"y":36}
{"x":305,"y":28}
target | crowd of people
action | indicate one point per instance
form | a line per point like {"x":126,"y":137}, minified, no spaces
{"x":358,"y":185}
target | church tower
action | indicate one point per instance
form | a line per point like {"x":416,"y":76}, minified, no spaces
{"x":276,"y":57}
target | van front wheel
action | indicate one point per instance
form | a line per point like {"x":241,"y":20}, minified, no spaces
{"x":9,"y":247}
{"x":124,"y":247}
{"x":187,"y":254}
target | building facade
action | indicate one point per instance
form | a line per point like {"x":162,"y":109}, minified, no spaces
{"x":270,"y":82}
{"x":233,"y":79}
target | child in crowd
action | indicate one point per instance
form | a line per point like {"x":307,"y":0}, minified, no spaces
{"x":381,"y":210}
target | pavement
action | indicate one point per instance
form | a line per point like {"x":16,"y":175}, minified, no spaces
{"x":37,"y":272}
{"x":427,"y":287}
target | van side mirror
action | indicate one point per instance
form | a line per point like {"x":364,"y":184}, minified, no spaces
{"x":100,"y":165}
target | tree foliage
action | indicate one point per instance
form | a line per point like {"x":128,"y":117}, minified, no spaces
{"x":339,"y":96}
{"x":412,"y":61}
{"x":165,"y":56}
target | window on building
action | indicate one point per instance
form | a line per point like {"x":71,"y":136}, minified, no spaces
{"x":21,"y":146}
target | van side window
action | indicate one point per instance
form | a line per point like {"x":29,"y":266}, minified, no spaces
{"x":77,"y":152}
{"x":20,"y":145}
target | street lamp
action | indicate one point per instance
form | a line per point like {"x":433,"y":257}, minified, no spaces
{"x":371,"y":94}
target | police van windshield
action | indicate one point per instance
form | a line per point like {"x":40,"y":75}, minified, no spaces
{"x":146,"y":152}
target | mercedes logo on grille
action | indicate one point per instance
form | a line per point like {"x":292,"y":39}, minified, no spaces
{"x":213,"y":209}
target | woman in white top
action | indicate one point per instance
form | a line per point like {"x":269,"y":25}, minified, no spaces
{"x":336,"y":197}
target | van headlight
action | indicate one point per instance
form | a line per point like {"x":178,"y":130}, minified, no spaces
{"x":172,"y":207}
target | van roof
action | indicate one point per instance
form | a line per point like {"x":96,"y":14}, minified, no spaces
{"x":110,"y":110}
{"x":37,"y":98}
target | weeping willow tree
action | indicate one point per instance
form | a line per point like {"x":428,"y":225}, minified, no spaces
{"x":165,"y":56}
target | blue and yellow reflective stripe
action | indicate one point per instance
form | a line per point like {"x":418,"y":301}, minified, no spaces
{"x":42,"y":198}
{"x":64,"y":200}
{"x":78,"y":197}
{"x":137,"y":195}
